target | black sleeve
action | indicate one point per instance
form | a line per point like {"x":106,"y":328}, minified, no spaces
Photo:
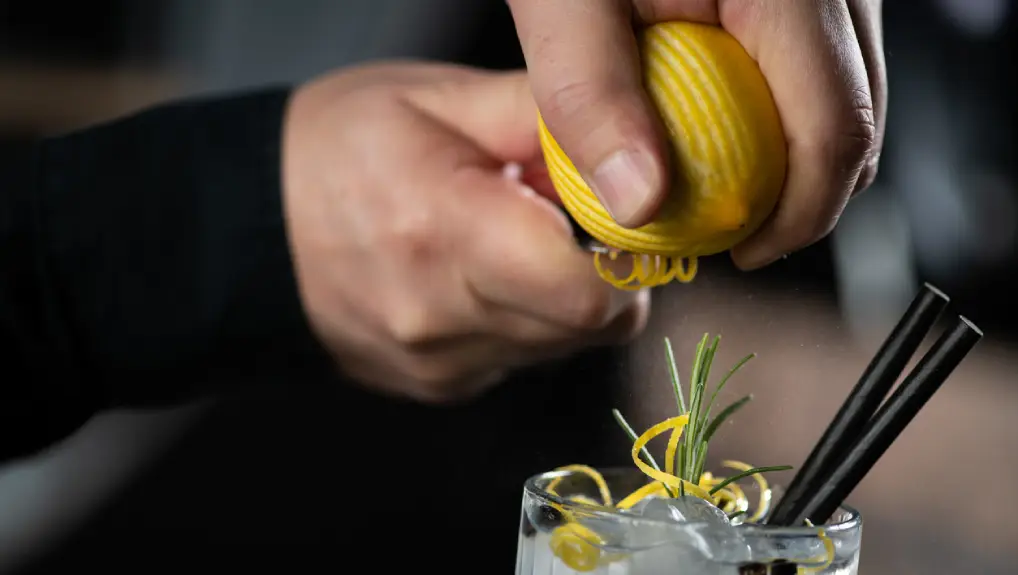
{"x":145,"y":262}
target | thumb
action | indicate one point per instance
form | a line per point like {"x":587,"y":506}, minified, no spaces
{"x":584,"y":66}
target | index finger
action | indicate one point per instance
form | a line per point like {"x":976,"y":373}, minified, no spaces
{"x":524,"y":258}
{"x":584,"y":68}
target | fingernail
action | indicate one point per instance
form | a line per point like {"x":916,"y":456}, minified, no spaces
{"x":624,"y":183}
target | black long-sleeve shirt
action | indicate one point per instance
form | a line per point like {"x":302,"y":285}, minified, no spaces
{"x":145,"y":261}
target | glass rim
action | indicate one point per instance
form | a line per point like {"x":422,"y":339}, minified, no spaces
{"x":853,"y":521}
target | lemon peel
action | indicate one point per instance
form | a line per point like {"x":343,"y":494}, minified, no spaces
{"x":728,"y":152}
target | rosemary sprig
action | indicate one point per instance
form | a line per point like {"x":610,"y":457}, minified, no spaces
{"x":727,"y":412}
{"x":747,"y":473}
{"x":691,"y":455}
{"x":633,"y":437}
{"x":674,"y":372}
{"x":698,"y":383}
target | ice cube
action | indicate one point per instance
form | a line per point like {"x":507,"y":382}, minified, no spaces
{"x":639,"y":506}
{"x":699,"y":540}
{"x":685,"y":509}
{"x":796,"y":549}
{"x":675,"y":547}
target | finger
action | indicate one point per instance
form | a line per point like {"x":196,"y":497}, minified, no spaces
{"x":809,"y":53}
{"x":655,"y":11}
{"x":584,"y":71}
{"x":454,"y":370}
{"x":535,"y":176}
{"x":867,"y":18}
{"x":523,"y":257}
{"x":628,"y":324}
{"x":545,"y":339}
{"x":494,"y":110}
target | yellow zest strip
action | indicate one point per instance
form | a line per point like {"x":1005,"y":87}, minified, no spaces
{"x":576,"y":545}
{"x":647,"y":271}
{"x":765,"y":491}
{"x":684,"y":268}
{"x":676,"y":423}
{"x":828,"y":557}
{"x":648,"y":490}
{"x":593,"y":474}
{"x":729,"y":500}
{"x":673,"y":446}
{"x":732,"y":495}
{"x":610,"y":277}
{"x":738,"y":496}
{"x":583,"y":499}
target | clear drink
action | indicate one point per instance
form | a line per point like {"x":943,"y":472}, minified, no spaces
{"x":562,"y":536}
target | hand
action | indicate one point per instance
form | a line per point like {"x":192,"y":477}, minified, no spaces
{"x":425,"y":268}
{"x":823,"y":60}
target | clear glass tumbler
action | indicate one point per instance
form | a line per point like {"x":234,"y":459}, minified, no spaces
{"x":560,"y":536}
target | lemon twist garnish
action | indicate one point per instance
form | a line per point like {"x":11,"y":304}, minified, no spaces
{"x":577,"y":546}
{"x":582,"y":549}
{"x":729,"y":155}
{"x":675,"y":425}
{"x":764,"y":505}
{"x":593,"y":474}
{"x":823,"y":562}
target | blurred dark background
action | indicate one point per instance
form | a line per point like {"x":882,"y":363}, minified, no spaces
{"x":258,"y":476}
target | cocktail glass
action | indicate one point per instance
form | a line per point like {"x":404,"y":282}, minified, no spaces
{"x":562,"y":536}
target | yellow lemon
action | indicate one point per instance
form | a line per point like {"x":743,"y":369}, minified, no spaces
{"x":728,"y":153}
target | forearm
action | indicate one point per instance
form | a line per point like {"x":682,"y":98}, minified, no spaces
{"x":146,"y":261}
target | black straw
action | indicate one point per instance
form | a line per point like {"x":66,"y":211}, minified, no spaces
{"x":903,"y":405}
{"x":862,"y":402}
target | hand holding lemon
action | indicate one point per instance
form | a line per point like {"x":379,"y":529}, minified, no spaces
{"x":633,"y":141}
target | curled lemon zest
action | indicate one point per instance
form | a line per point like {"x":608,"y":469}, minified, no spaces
{"x":577,"y":546}
{"x":675,"y":423}
{"x":826,"y":560}
{"x":654,"y":489}
{"x":583,"y":499}
{"x":580,"y":547}
{"x":647,"y":271}
{"x":684,"y":269}
{"x":672,"y":447}
{"x":733,"y":498}
{"x":730,"y":500}
{"x":765,"y":491}
{"x":593,"y":474}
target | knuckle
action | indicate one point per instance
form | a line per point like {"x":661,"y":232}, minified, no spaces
{"x":569,"y":99}
{"x":845,"y":141}
{"x":412,"y":326}
{"x":412,"y":235}
{"x":440,"y":382}
{"x":433,"y":376}
{"x":813,"y":225}
{"x":858,"y":132}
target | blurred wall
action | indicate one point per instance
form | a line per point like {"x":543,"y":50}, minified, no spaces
{"x":234,"y":44}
